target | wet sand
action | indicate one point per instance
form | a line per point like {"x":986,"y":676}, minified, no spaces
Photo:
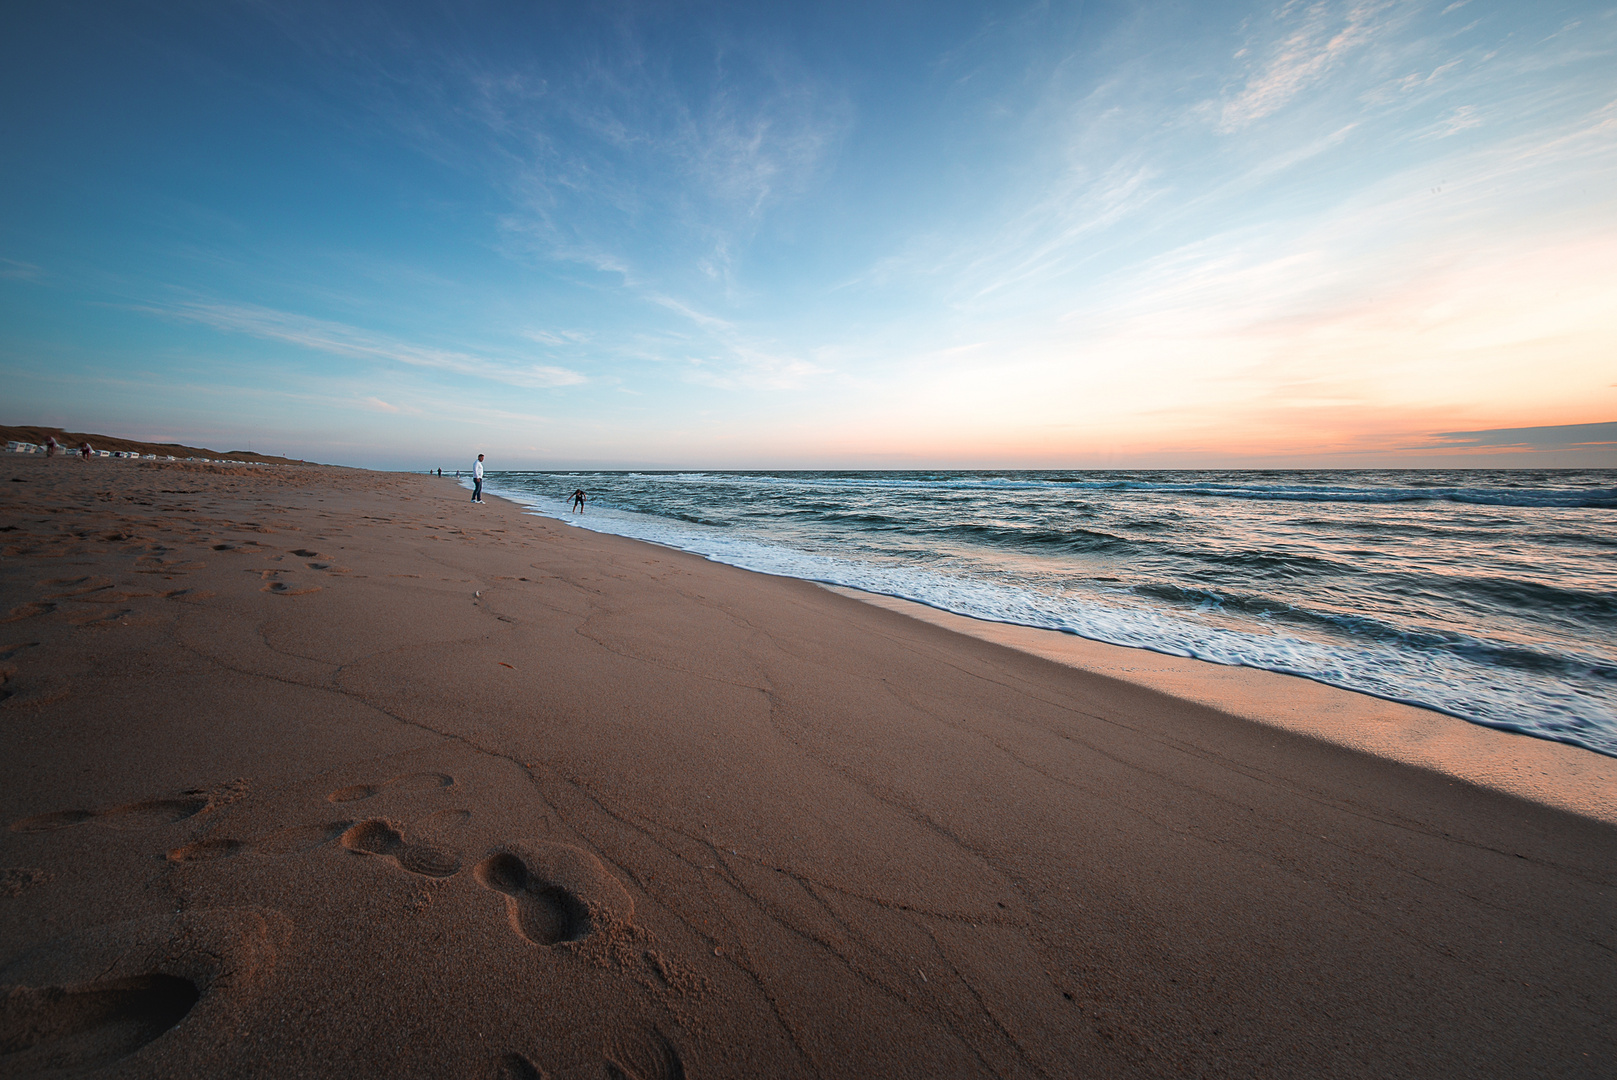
{"x":323,"y":772}
{"x":1554,"y":774}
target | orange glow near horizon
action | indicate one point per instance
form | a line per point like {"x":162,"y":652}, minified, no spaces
{"x":1515,"y":339}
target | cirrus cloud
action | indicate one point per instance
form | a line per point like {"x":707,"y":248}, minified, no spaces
{"x":342,"y":340}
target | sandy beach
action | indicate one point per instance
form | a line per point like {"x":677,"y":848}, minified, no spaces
{"x":321,"y":772}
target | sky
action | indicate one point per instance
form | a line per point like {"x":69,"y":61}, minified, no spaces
{"x":865,"y":235}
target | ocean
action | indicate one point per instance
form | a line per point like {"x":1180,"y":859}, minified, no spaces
{"x":1490,"y":595}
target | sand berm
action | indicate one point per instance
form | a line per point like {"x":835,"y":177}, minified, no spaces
{"x":313,"y":772}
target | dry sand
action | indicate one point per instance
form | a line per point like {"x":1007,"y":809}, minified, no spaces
{"x":316,"y":772}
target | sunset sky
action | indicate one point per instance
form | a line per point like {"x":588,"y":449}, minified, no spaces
{"x":861,"y":235}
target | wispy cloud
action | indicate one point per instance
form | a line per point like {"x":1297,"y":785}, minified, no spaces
{"x":376,"y":404}
{"x":606,"y":132}
{"x":1125,"y":157}
{"x":751,"y":369}
{"x":1313,"y":40}
{"x":620,"y":149}
{"x":557,"y":338}
{"x":1101,"y":234}
{"x":706,"y":321}
{"x":727,"y":358}
{"x":1458,"y":120}
{"x":1041,"y":241}
{"x":341,"y":340}
{"x":18,"y":271}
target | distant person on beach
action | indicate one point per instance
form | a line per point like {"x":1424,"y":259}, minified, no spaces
{"x":440,"y":472}
{"x":84,"y":451}
{"x":50,"y":446}
{"x":578,"y":501}
{"x":477,"y":479}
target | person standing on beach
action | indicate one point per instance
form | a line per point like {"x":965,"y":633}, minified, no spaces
{"x":578,"y":501}
{"x":477,"y":479}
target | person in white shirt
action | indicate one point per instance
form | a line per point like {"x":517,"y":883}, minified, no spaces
{"x":477,"y":479}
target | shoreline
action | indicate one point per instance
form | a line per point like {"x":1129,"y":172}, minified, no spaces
{"x":1550,"y":773}
{"x":1291,"y":598}
{"x":491,"y":797}
{"x":1544,"y":771}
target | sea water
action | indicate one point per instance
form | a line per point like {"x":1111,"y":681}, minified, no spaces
{"x":1489,"y":595}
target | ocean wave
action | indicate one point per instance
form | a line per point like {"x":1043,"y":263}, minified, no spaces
{"x":1564,"y":601}
{"x":1572,"y":498}
{"x":1410,"y":490}
{"x":1066,"y":540}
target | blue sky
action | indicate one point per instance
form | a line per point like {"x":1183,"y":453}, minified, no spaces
{"x":861,"y":235}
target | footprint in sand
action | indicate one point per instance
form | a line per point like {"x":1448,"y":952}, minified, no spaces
{"x":376,"y":836}
{"x":554,"y":893}
{"x":152,"y":564}
{"x":8,"y":673}
{"x":291,"y":841}
{"x":29,"y":610}
{"x":87,"y":619}
{"x":429,"y":848}
{"x":284,"y":588}
{"x":405,"y":784}
{"x":204,"y":850}
{"x":274,"y":584}
{"x":49,"y":1028}
{"x":79,"y":1003}
{"x":515,"y":1066}
{"x":16,"y":880}
{"x":654,"y":1059}
{"x":76,"y":587}
{"x":146,"y":814}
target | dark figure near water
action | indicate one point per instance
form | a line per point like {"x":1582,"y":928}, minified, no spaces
{"x":477,"y":479}
{"x":578,"y":501}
